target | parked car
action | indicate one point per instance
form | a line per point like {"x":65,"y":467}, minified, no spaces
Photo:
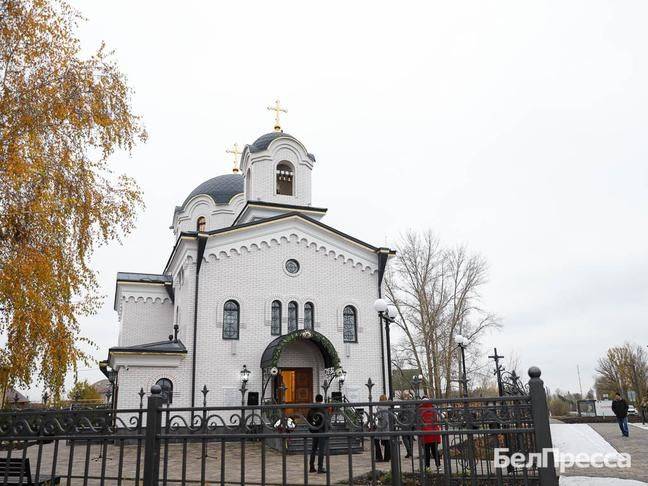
{"x":632,"y":410}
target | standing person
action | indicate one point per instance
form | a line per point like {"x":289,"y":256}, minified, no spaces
{"x":620,"y":409}
{"x":382,"y":425}
{"x":407,"y":417}
{"x":317,"y":419}
{"x":430,"y":422}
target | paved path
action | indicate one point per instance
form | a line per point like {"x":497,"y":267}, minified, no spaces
{"x":75,"y":461}
{"x":636,"y":445}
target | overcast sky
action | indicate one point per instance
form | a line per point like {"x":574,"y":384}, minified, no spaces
{"x":518,"y":128}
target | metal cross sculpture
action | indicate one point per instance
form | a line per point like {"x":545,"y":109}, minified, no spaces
{"x":235,"y":150}
{"x":498,"y":371}
{"x":277,"y":108}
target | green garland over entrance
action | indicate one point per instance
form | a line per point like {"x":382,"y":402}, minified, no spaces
{"x":272,"y":353}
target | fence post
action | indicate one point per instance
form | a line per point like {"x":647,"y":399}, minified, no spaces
{"x":394,"y":450}
{"x":152,"y":438}
{"x":540,"y":414}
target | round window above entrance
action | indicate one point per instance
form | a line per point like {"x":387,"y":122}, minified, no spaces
{"x":292,"y":266}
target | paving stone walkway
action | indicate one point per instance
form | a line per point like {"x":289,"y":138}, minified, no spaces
{"x":214,"y":467}
{"x":636,"y":445}
{"x":191,"y":469}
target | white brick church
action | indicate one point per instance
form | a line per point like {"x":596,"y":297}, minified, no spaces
{"x":255,"y":278}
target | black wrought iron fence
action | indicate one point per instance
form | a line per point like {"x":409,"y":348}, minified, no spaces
{"x":423,"y":442}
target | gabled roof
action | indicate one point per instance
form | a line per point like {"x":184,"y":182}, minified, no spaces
{"x":144,"y":278}
{"x":157,"y":347}
{"x":292,"y":214}
{"x":289,"y":207}
{"x":11,"y":394}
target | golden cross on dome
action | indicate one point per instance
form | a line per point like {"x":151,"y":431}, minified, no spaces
{"x":277,"y":109}
{"x":235,"y":150}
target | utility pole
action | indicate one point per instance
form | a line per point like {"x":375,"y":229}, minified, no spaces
{"x":580,"y":384}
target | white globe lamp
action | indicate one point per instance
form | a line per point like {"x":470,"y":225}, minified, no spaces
{"x":380,"y":305}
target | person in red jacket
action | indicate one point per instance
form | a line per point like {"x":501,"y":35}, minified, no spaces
{"x":430,"y":422}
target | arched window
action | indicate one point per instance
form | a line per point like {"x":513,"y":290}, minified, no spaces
{"x":201,"y":223}
{"x":231,"y":315}
{"x":167,"y":390}
{"x":285,"y":178}
{"x":292,"y":316}
{"x":309,"y":316}
{"x":275,"y":324}
{"x":350,"y":324}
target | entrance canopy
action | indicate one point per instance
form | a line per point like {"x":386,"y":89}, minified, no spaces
{"x":272,"y":353}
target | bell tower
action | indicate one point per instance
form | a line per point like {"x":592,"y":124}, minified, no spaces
{"x":277,"y":167}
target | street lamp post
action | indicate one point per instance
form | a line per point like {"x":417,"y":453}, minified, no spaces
{"x":416,"y":385}
{"x":341,"y":380}
{"x":325,"y":386}
{"x":245,"y":376}
{"x":387,"y":314}
{"x":463,"y":344}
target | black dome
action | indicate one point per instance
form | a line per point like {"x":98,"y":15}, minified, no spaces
{"x":221,"y":188}
{"x":264,"y":141}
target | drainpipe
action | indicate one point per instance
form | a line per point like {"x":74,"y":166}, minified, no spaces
{"x":383,"y":254}
{"x":202,"y":240}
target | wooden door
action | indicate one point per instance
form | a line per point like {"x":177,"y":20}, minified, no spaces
{"x":304,"y":385}
{"x":299,"y":388}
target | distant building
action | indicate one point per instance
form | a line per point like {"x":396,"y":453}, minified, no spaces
{"x":13,"y":397}
{"x":102,"y":387}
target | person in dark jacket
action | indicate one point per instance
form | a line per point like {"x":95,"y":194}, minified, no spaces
{"x":407,"y":419}
{"x":317,"y":419}
{"x":381,"y":424}
{"x":620,"y":409}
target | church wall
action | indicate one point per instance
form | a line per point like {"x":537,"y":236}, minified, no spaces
{"x":145,"y":320}
{"x":216,"y":215}
{"x":185,"y":303}
{"x":263,"y":169}
{"x":334,"y":273}
{"x":255,"y":279}
{"x":134,"y":377}
{"x":201,"y":206}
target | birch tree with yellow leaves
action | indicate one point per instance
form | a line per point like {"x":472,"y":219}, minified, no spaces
{"x":61,"y":117}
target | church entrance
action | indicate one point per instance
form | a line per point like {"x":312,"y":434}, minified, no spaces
{"x":298,"y":361}
{"x":299,"y":387}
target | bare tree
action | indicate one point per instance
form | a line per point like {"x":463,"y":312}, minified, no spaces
{"x":436,"y":292}
{"x":513,"y":362}
{"x":623,"y":368}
